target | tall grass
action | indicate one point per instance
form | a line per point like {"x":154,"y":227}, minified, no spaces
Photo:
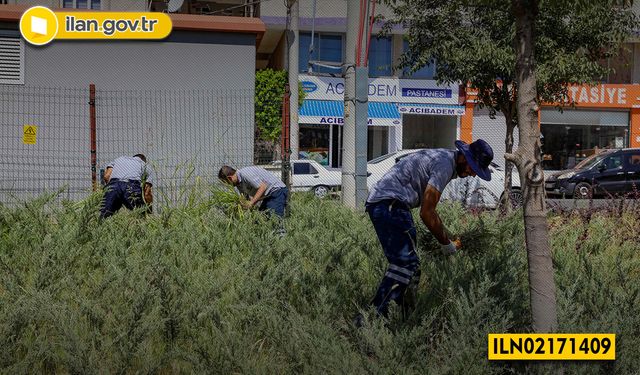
{"x":198,"y":289}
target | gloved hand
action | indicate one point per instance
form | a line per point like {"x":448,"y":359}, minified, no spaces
{"x":451,"y":248}
{"x":448,"y":249}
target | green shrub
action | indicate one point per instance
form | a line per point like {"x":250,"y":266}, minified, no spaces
{"x":200,"y":289}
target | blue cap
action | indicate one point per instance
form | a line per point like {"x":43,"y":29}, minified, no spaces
{"x":479,"y":156}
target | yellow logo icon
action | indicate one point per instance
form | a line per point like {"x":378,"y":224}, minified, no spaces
{"x":38,"y":25}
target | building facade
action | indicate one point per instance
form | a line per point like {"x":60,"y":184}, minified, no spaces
{"x":187,"y":102}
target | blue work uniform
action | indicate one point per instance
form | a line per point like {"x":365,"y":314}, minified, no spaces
{"x":274,"y":198}
{"x":125,"y":185}
{"x":389,"y":206}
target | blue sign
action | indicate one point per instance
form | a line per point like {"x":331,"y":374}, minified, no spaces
{"x":425,"y":93}
{"x":308,"y":86}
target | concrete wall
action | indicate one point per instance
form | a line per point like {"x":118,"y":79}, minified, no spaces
{"x":185,"y":104}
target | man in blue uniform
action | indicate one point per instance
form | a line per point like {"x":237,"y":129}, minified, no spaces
{"x":128,"y":179}
{"x":258,"y":185}
{"x":417,"y":181}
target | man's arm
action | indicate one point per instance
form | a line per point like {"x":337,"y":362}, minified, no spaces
{"x":147,"y":191}
{"x":430,"y":217}
{"x":107,"y":175}
{"x":259,"y":194}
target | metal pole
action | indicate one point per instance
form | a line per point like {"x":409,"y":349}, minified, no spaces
{"x":294,"y":46}
{"x":285,"y":145}
{"x":92,"y":127}
{"x":354,"y":161}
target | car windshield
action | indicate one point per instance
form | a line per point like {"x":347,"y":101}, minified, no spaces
{"x":381,"y":158}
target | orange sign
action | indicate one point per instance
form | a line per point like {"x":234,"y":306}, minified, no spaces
{"x":605,"y":96}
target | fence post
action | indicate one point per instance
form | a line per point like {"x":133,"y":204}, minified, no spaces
{"x":285,"y":143}
{"x":92,"y":125}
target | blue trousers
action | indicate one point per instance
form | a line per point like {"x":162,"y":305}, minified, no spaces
{"x":396,"y":231}
{"x":120,"y":193}
{"x":275,"y":203}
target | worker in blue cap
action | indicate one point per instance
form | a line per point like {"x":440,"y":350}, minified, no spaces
{"x":416,"y":181}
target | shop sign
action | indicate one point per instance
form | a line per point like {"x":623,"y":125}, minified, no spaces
{"x":382,"y":90}
{"x":431,"y":110}
{"x":607,"y":95}
{"x":336,"y":120}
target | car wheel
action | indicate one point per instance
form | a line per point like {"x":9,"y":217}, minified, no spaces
{"x":583,"y":191}
{"x":320,"y":191}
{"x":516,"y":198}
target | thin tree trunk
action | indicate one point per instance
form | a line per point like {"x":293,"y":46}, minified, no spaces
{"x":527,"y":159}
{"x":508,"y":166}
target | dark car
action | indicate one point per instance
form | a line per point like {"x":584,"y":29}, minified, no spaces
{"x":608,"y":173}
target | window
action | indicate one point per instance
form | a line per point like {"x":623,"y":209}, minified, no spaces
{"x":426,"y":72}
{"x":11,"y":60}
{"x":380,"y":56}
{"x":327,"y":48}
{"x":612,"y":162}
{"x":633,"y":160}
{"x":304,"y":168}
{"x":82,"y":4}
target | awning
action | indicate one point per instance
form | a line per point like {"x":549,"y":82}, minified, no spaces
{"x":332,"y":112}
{"x":431,"y":109}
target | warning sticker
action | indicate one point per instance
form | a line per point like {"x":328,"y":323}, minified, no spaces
{"x":29,"y":133}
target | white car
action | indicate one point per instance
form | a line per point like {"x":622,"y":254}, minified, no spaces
{"x":376,"y":168}
{"x":474,"y":191}
{"x":309,"y":175}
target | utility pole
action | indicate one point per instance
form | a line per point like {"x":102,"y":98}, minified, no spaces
{"x":356,"y":80}
{"x":293,"y":47}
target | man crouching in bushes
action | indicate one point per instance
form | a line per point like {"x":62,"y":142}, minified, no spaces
{"x":129,"y":182}
{"x":416,"y":181}
{"x":258,"y":185}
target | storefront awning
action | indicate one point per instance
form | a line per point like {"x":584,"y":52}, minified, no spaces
{"x":431,"y":109}
{"x":332,"y":112}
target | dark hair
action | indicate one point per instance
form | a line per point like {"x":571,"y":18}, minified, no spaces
{"x":141,"y":156}
{"x":226,"y":172}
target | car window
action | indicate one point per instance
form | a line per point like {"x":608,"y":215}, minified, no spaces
{"x":633,"y":160}
{"x":612,"y":162}
{"x":303,"y":168}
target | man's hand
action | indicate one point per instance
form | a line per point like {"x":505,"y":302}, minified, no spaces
{"x":247,"y":205}
{"x":452,"y":247}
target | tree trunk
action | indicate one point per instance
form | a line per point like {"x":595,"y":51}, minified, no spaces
{"x":508,"y":166}
{"x":527,"y":159}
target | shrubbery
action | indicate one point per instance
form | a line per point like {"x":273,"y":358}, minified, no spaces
{"x":192,"y":290}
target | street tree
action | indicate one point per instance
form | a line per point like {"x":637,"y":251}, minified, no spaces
{"x":518,"y":54}
{"x":269,"y":91}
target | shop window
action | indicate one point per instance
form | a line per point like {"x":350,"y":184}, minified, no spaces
{"x":327,"y":48}
{"x":380,"y":56}
{"x":314,"y":143}
{"x":304,"y":168}
{"x":426,"y":72}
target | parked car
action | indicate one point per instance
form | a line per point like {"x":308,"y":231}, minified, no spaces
{"x":474,"y":191}
{"x":309,"y":175}
{"x":609,"y":172}
{"x":377,"y":167}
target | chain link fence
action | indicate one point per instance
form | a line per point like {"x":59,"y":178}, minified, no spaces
{"x":185,"y":134}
